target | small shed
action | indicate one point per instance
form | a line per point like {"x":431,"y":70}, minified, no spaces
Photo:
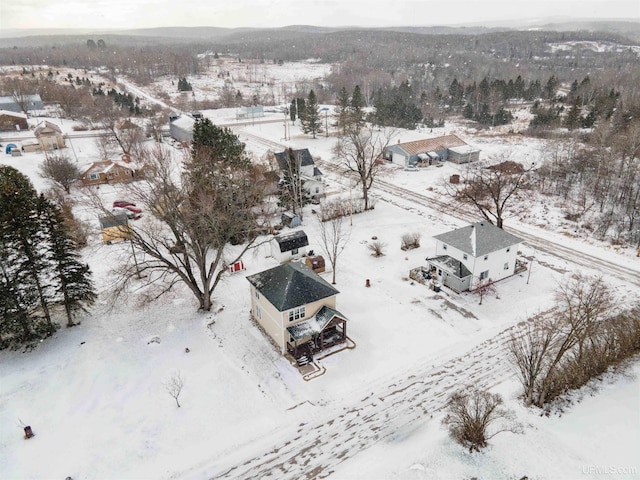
{"x":115,"y":228}
{"x":287,"y":247}
{"x":315,"y":263}
{"x":290,"y":219}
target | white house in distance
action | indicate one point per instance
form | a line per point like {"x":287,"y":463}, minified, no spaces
{"x":297,"y":308}
{"x":311,"y":176}
{"x":422,"y":153}
{"x":478,"y":251}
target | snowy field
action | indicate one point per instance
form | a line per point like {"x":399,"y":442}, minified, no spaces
{"x":95,"y":398}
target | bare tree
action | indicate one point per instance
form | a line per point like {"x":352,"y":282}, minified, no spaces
{"x":476,"y":416}
{"x":173,"y":385}
{"x":491,"y":190}
{"x":190,"y":233}
{"x":59,"y":169}
{"x":334,"y":238}
{"x":292,"y":193}
{"x":484,"y":287}
{"x":552,"y":346}
{"x":21,"y":92}
{"x":359,"y":153}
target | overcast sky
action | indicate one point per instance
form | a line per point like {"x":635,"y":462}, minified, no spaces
{"x":105,"y":14}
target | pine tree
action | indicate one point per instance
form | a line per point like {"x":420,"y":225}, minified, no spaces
{"x":311,"y":122}
{"x":17,"y":297}
{"x":342,"y":109}
{"x":293,"y":110}
{"x":216,"y":144}
{"x":20,"y":226}
{"x":73,"y":279}
{"x":357,"y":107}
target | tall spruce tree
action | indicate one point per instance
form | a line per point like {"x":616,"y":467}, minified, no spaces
{"x":311,"y":122}
{"x":73,"y":278}
{"x":342,"y":110}
{"x":357,"y":107}
{"x":20,"y":227}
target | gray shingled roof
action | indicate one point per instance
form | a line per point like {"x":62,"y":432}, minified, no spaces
{"x":291,"y":285}
{"x":478,"y":239}
{"x":291,"y":241}
{"x":303,"y":154}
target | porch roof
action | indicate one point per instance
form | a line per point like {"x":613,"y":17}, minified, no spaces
{"x":451,"y":265}
{"x":315,"y":324}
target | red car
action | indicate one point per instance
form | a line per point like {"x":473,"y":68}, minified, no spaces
{"x":133,"y":208}
{"x":123,"y":204}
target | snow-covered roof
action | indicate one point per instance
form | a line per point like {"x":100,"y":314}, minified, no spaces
{"x":451,"y":265}
{"x":291,"y":285}
{"x":292,"y":241}
{"x":13,"y":114}
{"x":315,"y":324}
{"x":302,"y":154}
{"x":478,"y":239}
{"x":427,"y":145}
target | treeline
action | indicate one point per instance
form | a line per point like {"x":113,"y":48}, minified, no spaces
{"x":39,"y":264}
{"x":582,"y":340}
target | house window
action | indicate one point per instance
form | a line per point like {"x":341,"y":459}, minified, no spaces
{"x":486,"y":257}
{"x":506,"y":266}
{"x":484,"y":274}
{"x":444,"y":247}
{"x":258,"y":312}
{"x":294,"y":251}
{"x":94,"y":176}
{"x":116,"y":174}
{"x":464,"y":256}
{"x":317,"y":189}
{"x":296,"y":314}
{"x":257,"y":294}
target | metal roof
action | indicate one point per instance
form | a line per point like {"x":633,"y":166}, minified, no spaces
{"x":291,"y":285}
{"x":479,"y":239}
{"x":428,"y":145}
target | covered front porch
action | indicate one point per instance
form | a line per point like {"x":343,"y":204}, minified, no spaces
{"x":326,"y":328}
{"x":450,"y":272}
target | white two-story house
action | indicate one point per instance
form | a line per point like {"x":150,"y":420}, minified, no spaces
{"x":476,"y":252}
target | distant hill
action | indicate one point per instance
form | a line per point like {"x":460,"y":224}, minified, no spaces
{"x":629,"y":29}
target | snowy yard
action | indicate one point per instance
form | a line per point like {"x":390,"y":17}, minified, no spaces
{"x":95,"y":398}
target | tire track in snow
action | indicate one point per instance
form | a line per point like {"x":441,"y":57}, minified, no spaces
{"x":390,"y":412}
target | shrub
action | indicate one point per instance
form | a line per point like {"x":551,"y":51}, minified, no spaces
{"x":377,"y":248}
{"x":410,"y":241}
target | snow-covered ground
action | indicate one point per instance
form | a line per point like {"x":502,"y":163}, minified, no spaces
{"x":95,"y":398}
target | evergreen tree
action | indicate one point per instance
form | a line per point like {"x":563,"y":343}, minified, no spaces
{"x":342,"y":109}
{"x":213,"y":144}
{"x":20,"y":226}
{"x":357,"y":107}
{"x":301,"y":108}
{"x":311,"y":122}
{"x":73,"y":279}
{"x":573,"y":119}
{"x":293,"y":110}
